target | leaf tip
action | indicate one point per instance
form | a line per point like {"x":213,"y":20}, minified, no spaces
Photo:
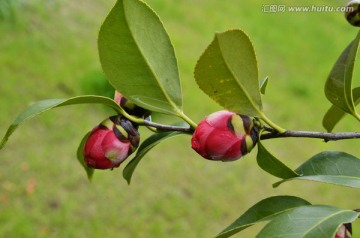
{"x":275,"y":185}
{"x":127,"y":177}
{"x":2,"y":144}
{"x":6,"y":136}
{"x":90,"y":174}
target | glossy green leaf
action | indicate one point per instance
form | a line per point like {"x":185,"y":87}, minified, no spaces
{"x":227,"y":72}
{"x":264,"y":210}
{"x":144,"y":148}
{"x":330,"y":167}
{"x":272,"y":165}
{"x":45,"y":105}
{"x":80,"y":157}
{"x":263,"y":85}
{"x":338,"y":87}
{"x":138,"y":58}
{"x":308,"y":222}
{"x":335,"y":114}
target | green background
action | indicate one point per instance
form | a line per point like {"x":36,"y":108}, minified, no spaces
{"x":48,"y":50}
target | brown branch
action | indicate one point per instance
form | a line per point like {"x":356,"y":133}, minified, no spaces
{"x":272,"y":134}
{"x":310,"y":134}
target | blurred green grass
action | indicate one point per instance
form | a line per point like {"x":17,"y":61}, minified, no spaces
{"x":48,"y":50}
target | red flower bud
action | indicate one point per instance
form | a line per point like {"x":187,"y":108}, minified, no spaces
{"x":110,"y":143}
{"x":224,"y":136}
{"x":130,"y":107}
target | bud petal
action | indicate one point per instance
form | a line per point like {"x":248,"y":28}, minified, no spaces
{"x":110,"y":143}
{"x":344,"y":231}
{"x":224,"y":136}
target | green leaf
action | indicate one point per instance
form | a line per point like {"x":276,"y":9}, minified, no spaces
{"x":272,"y":165}
{"x":138,"y":58}
{"x":43,"y":106}
{"x":80,"y":157}
{"x":330,"y":167}
{"x":335,"y":114}
{"x":308,"y":222}
{"x":227,"y":72}
{"x":338,"y":87}
{"x":263,"y":84}
{"x":264,"y":210}
{"x":145,"y":147}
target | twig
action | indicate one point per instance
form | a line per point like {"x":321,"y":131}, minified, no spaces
{"x":272,"y":134}
{"x":310,"y":134}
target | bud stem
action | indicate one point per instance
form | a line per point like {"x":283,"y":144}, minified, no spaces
{"x":272,"y":124}
{"x":134,"y":119}
{"x":192,"y":124}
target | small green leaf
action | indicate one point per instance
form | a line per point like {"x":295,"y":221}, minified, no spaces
{"x":264,"y":210}
{"x":272,"y":165}
{"x":338,"y":87}
{"x":43,"y":106}
{"x":80,"y":157}
{"x":138,"y":58}
{"x":145,"y":147}
{"x":263,"y":84}
{"x":227,"y":72}
{"x":330,"y":167}
{"x":308,"y":222}
{"x":335,"y":114}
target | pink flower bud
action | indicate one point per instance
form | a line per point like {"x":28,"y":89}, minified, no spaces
{"x":110,"y":143}
{"x":224,"y":136}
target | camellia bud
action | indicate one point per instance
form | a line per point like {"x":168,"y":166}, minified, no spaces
{"x":352,"y":13}
{"x":130,"y":107}
{"x":224,"y":136}
{"x":110,"y":143}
